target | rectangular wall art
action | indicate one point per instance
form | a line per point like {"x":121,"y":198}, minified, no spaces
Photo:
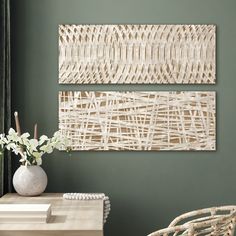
{"x":137,"y":54}
{"x":138,"y":120}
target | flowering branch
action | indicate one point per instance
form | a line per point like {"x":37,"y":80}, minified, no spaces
{"x":31,"y":150}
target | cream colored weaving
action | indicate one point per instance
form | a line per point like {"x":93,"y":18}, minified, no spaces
{"x":138,"y":120}
{"x":137,"y":54}
{"x":215,"y":221}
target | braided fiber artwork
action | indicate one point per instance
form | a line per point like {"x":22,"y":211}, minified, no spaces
{"x":137,"y":54}
{"x":95,"y":120}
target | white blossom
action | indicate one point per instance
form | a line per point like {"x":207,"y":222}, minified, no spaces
{"x":31,"y":150}
{"x":42,"y":139}
{"x":12,"y":135}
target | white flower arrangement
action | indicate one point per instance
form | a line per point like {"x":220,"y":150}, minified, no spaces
{"x":31,"y":150}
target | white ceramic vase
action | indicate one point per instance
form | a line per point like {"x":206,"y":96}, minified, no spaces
{"x":30,"y":180}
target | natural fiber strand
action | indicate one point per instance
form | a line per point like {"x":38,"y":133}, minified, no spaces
{"x":214,"y":221}
{"x":137,"y":54}
{"x":138,"y":120}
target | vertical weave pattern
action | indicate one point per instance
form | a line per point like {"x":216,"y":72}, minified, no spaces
{"x":138,"y":120}
{"x":125,"y":54}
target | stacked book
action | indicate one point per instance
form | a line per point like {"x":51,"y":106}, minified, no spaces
{"x":25,"y":213}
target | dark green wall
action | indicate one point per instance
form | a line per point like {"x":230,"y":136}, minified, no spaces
{"x":147,"y":189}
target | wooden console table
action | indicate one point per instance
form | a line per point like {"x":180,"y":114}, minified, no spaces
{"x":69,"y":217}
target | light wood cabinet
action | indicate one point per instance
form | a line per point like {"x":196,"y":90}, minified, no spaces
{"x":69,"y":217}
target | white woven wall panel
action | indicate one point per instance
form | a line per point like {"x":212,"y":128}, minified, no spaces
{"x":138,"y":120}
{"x":137,"y":54}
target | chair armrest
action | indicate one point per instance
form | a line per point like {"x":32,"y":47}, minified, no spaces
{"x":170,"y":230}
{"x":210,"y":211}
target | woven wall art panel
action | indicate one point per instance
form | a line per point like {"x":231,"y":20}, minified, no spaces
{"x":138,"y":120}
{"x":137,"y":54}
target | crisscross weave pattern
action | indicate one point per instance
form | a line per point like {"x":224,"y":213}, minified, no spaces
{"x":136,"y":54}
{"x":138,"y":120}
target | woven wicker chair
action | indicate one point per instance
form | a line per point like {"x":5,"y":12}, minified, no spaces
{"x":216,"y":221}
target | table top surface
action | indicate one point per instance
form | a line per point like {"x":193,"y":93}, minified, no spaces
{"x":67,"y":215}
